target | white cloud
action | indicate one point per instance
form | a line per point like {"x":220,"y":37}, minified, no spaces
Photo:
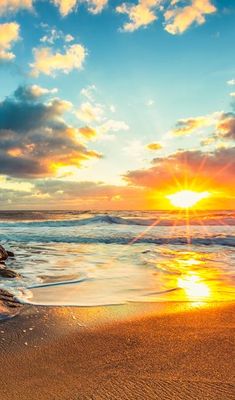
{"x":90,"y":112}
{"x":47,"y":62}
{"x":9,"y":33}
{"x":51,"y":36}
{"x":96,"y":6}
{"x":32,"y":93}
{"x":12,"y":6}
{"x":88,"y":92}
{"x":60,"y":106}
{"x":54,"y":34}
{"x":113,"y":126}
{"x":93,"y":113}
{"x":69,"y":38}
{"x":231,"y":82}
{"x":38,"y":91}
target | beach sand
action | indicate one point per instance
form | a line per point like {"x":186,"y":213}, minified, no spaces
{"x":135,"y":351}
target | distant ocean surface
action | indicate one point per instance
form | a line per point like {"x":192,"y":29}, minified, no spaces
{"x":94,"y":258}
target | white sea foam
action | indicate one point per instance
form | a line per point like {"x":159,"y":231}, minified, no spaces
{"x":108,"y":258}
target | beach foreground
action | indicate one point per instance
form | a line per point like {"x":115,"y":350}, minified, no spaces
{"x":136,"y":351}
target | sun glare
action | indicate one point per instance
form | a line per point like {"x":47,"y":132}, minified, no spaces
{"x":194,"y":288}
{"x":186,"y":198}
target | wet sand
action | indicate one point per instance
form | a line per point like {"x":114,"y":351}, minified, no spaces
{"x":136,"y":351}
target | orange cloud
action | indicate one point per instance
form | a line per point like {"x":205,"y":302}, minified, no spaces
{"x":179,"y":19}
{"x":87,"y":194}
{"x":87,"y":132}
{"x":189,"y":125}
{"x":9,"y":33}
{"x":154,"y":146}
{"x":15,"y":152}
{"x":196,"y":170}
{"x":48,"y":63}
{"x":67,"y":6}
{"x":35,"y":139}
{"x":140,"y":15}
{"x":226,"y":126}
{"x":207,"y":141}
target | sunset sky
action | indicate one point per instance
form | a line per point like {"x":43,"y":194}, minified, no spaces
{"x":114,"y":105}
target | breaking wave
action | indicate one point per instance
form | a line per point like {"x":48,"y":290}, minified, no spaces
{"x":215,"y":240}
{"x":115,"y":220}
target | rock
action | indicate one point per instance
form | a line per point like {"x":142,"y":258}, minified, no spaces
{"x":8,"y":273}
{"x":3,"y":253}
{"x":9,"y":305}
{"x":10,"y":253}
{"x":4,"y":271}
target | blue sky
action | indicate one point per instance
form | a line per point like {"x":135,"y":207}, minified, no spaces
{"x":143,"y":81}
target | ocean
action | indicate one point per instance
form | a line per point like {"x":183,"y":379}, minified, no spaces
{"x":89,"y":258}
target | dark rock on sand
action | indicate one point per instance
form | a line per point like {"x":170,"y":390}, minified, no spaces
{"x":8,"y":299}
{"x":9,"y":305}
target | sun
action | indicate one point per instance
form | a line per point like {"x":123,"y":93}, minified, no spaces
{"x":186,"y":198}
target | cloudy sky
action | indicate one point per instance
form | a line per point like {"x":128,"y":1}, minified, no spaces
{"x":114,"y":105}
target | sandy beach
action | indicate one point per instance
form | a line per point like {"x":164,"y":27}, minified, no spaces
{"x":117,"y":200}
{"x":136,"y":351}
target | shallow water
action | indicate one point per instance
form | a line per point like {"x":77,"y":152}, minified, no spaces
{"x":87,"y":258}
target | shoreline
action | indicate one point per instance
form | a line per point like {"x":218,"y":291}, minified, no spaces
{"x":133,"y":351}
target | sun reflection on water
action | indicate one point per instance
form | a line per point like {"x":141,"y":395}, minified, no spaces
{"x":198,"y":276}
{"x":194,"y":287}
{"x":195,"y":278}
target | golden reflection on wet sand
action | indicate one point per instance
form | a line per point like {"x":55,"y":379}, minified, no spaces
{"x":194,"y":288}
{"x":166,"y":275}
{"x":198,"y":277}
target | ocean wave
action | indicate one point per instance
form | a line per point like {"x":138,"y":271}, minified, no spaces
{"x":115,"y":220}
{"x":213,"y":240}
{"x":99,"y":219}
